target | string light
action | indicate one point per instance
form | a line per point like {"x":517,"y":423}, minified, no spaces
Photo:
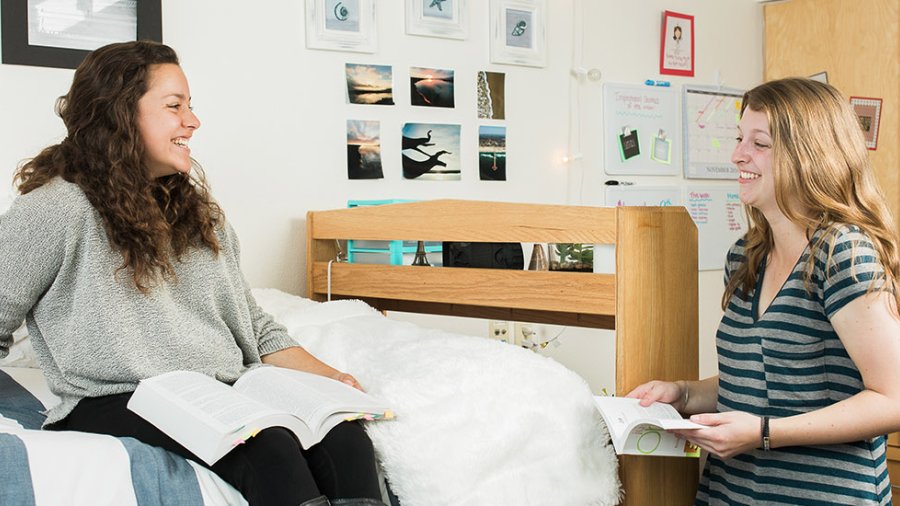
{"x":579,"y":75}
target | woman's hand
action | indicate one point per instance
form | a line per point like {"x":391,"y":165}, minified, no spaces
{"x":346,"y":379}
{"x":661,"y":391}
{"x":298,"y":358}
{"x":727,"y":434}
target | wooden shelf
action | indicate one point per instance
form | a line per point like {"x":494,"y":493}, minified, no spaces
{"x":567,"y":292}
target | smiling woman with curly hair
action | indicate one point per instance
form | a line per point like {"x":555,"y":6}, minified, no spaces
{"x":124,"y":268}
{"x":146,"y":218}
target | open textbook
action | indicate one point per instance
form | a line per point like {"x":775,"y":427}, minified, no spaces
{"x":638,"y":430}
{"x":210,"y":418}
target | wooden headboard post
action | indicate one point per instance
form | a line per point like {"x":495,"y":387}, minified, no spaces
{"x":656,"y":333}
{"x":651,"y":300}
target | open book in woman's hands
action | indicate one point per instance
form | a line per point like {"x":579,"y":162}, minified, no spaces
{"x":210,"y":418}
{"x":640,"y":430}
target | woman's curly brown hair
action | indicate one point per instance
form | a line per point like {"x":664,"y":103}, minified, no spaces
{"x":151,"y":221}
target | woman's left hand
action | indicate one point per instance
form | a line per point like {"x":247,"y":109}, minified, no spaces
{"x":347,"y":379}
{"x":727,"y":434}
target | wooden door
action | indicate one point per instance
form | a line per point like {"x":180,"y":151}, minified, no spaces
{"x":857,"y":42}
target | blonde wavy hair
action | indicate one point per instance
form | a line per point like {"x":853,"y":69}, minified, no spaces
{"x":823,"y":179}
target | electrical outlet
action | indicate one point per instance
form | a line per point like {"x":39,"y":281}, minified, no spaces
{"x":499,"y":330}
{"x":525,"y":334}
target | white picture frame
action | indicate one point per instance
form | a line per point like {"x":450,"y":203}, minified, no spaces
{"x":437,"y":18}
{"x":518,"y":32}
{"x":341,"y":25}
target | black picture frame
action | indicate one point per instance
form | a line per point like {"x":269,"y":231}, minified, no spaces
{"x":17,"y":51}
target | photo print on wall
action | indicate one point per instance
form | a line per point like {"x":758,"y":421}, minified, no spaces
{"x":431,"y":87}
{"x":492,"y":153}
{"x":491,"y":95}
{"x":364,"y":149}
{"x":430,"y":152}
{"x":369,"y":84}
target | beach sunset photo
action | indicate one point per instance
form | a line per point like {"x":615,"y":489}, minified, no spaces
{"x":364,"y":149}
{"x":369,"y":84}
{"x":431,"y":87}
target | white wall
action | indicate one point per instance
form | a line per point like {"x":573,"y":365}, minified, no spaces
{"x":273,"y":113}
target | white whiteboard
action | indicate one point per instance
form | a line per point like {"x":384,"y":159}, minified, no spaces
{"x":643,"y":195}
{"x":715,"y":208}
{"x":710,"y":123}
{"x":719,"y":215}
{"x":648,"y":110}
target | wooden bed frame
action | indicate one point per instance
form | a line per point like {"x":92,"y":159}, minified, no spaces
{"x":650,"y":301}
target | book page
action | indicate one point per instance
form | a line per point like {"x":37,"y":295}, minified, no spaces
{"x":206,"y":416}
{"x":310,"y":397}
{"x":222,"y":405}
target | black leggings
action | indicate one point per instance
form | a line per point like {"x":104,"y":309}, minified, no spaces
{"x":271,"y":468}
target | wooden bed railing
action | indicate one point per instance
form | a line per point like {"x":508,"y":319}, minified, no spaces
{"x":650,"y":301}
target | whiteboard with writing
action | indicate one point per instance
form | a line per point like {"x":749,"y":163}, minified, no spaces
{"x":711,"y":117}
{"x":663,"y":195}
{"x":650,"y":112}
{"x":720,"y":219}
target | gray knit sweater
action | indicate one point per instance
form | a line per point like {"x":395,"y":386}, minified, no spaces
{"x":94,"y":333}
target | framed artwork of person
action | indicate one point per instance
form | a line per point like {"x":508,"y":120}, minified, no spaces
{"x":676,"y":54}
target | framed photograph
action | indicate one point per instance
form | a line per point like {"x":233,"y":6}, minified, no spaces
{"x":518,"y":34}
{"x":42,"y":34}
{"x":437,"y":18}
{"x":341,"y":25}
{"x":868,"y":110}
{"x":676,"y":53}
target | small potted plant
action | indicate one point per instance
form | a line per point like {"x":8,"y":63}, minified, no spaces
{"x":572,"y":257}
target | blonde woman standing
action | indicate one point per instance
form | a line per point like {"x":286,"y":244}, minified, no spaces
{"x":809,"y":346}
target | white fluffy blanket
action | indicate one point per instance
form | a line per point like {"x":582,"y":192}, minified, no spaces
{"x":478,"y":421}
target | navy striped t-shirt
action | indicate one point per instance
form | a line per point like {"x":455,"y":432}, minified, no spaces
{"x":788,"y":361}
